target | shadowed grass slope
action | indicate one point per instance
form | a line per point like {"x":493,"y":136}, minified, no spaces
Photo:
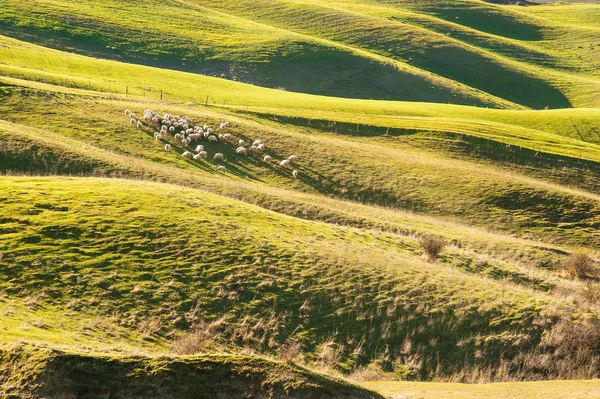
{"x":31,"y":373}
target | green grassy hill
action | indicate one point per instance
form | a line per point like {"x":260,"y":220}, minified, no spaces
{"x":119,"y":255}
{"x":422,"y":51}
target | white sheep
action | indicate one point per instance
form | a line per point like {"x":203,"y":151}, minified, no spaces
{"x":199,"y":148}
{"x":227,"y":136}
{"x":157,"y":136}
{"x":132,"y":121}
{"x":218,"y":157}
{"x":241,"y":151}
{"x":127,"y":112}
{"x":133,"y":116}
{"x":178,"y":136}
{"x":185,"y":142}
{"x":171,"y":129}
{"x":295,"y":174}
{"x":167,"y":147}
{"x":284,"y":164}
{"x":261,"y":147}
{"x":241,"y":143}
{"x":206,"y":134}
{"x":212,"y":138}
{"x":205,"y":128}
{"x":268,"y":158}
{"x":221,"y":168}
{"x":140,"y":125}
{"x":220,"y":137}
{"x":257,"y":143}
{"x":252,"y":150}
{"x":197,"y":157}
{"x":155,"y":120}
{"x":185,"y":127}
{"x":224,"y":125}
{"x":203,"y":154}
{"x":292,"y":158}
{"x":148,"y":117}
{"x":186,"y":154}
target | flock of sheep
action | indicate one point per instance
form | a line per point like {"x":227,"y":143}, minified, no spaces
{"x":182,"y":129}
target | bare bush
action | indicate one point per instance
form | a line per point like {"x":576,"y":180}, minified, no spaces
{"x":432,"y":246}
{"x":203,"y":337}
{"x":291,"y":351}
{"x":580,"y":265}
{"x":330,"y":353}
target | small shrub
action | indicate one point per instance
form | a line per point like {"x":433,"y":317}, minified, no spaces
{"x":591,"y":293}
{"x":190,"y":344}
{"x":330,"y":353}
{"x":291,"y":351}
{"x":432,"y":246}
{"x":580,"y":265}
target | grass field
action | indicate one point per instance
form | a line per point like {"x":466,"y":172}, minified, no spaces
{"x":119,"y":255}
{"x":531,"y":390}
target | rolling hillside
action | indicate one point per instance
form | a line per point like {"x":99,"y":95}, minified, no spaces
{"x":409,"y":120}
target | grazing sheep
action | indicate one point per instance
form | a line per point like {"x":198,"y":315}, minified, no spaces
{"x":295,"y":174}
{"x":132,"y":121}
{"x":148,"y":117}
{"x":140,"y":125}
{"x":132,"y":116}
{"x":209,"y":130}
{"x":292,"y":158}
{"x":218,"y":157}
{"x":267,"y":158}
{"x":185,"y":127}
{"x":187,"y":154}
{"x":220,"y":137}
{"x":221,"y":168}
{"x":252,"y":150}
{"x":257,"y":143}
{"x":127,"y":112}
{"x":157,"y":136}
{"x":241,"y":143}
{"x":167,"y":147}
{"x":199,"y":148}
{"x":212,"y":138}
{"x":155,"y":120}
{"x":203,"y":154}
{"x":284,"y":164}
{"x":185,"y":142}
{"x":178,"y":136}
{"x":227,"y":136}
{"x":241,"y":151}
{"x":171,"y":129}
{"x":224,"y":125}
{"x":206,"y":134}
{"x":205,"y":128}
{"x":197,"y":157}
{"x":261,"y":147}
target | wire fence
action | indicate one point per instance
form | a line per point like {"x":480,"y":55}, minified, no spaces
{"x":486,"y":147}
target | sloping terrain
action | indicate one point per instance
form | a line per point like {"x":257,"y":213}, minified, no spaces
{"x":30,"y":374}
{"x":402,"y":50}
{"x":119,"y":255}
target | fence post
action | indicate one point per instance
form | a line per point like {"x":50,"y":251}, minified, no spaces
{"x":206,"y":103}
{"x":126,"y":90}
